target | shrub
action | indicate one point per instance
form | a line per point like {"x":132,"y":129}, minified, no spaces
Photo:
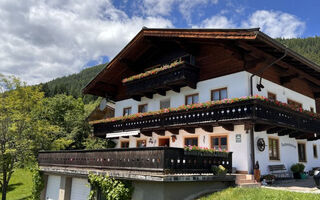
{"x":297,"y":168}
{"x":219,"y":170}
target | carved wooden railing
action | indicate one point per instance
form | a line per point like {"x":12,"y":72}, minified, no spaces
{"x":153,"y":159}
{"x":253,"y":110}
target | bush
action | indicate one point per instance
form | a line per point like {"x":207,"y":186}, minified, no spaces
{"x":110,"y":188}
{"x":219,"y":170}
{"x":297,"y":168}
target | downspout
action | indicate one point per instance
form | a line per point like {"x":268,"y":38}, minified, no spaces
{"x":260,"y":73}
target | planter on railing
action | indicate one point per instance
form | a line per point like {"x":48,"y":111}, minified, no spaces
{"x":154,"y":159}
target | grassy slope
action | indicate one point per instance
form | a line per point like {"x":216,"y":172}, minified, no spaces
{"x":20,"y":185}
{"x":259,"y":194}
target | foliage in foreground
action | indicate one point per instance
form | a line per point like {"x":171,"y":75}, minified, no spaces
{"x":20,"y":186}
{"x":37,"y":183}
{"x":110,"y":188}
{"x":260,"y":194}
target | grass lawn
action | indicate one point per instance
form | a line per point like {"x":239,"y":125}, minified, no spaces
{"x":20,"y":185}
{"x":259,"y":194}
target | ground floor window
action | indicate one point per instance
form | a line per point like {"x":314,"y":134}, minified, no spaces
{"x":315,"y":151}
{"x":219,"y":142}
{"x":124,"y":144}
{"x":141,"y":143}
{"x":302,"y":152}
{"x":191,"y":141}
{"x":274,"y":149}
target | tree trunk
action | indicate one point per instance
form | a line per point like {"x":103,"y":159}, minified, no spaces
{"x":4,"y":184}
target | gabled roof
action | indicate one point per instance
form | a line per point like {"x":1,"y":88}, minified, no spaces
{"x":105,"y":83}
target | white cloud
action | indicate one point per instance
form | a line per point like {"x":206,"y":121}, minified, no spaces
{"x":276,"y":23}
{"x":216,"y":21}
{"x":41,"y":40}
{"x":166,"y":7}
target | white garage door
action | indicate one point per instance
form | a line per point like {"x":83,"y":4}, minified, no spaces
{"x":79,"y":189}
{"x":53,"y":186}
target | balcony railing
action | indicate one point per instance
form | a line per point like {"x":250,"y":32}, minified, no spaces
{"x":174,"y":78}
{"x":251,"y":111}
{"x":152,"y":159}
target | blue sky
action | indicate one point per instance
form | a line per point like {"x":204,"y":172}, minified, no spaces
{"x":41,"y":40}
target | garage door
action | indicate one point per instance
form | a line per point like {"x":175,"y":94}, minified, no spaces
{"x":79,"y":189}
{"x":53,"y":185}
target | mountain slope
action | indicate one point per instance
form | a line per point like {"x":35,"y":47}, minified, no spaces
{"x":73,"y":84}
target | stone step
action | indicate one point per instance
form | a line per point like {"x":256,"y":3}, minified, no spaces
{"x":250,"y":185}
{"x":239,"y":182}
{"x":244,"y":177}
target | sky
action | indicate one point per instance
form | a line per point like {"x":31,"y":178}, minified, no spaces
{"x":44,"y":39}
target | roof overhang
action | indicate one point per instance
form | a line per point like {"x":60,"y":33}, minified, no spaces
{"x":105,"y":83}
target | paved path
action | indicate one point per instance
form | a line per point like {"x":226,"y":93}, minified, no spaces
{"x":305,"y":185}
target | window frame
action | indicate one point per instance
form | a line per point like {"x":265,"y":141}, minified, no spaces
{"x":315,"y":150}
{"x":305,"y":151}
{"x":272,"y":94}
{"x":124,"y":141}
{"x":219,"y":136}
{"x":293,"y":102}
{"x":140,"y":140}
{"x":218,"y":90}
{"x":270,"y":144}
{"x":163,"y":101}
{"x":191,"y":137}
{"x":141,"y":106}
{"x":123,"y":113}
{"x":191,"y":95}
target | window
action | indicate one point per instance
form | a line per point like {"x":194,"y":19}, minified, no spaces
{"x":312,"y":109}
{"x":141,"y":143}
{"x":191,"y":99}
{"x":315,"y":152}
{"x":219,"y":142}
{"x":219,"y":94}
{"x":302,"y":152}
{"x":127,"y":111}
{"x":272,"y":96}
{"x":143,"y":108}
{"x":124,"y":144}
{"x":274,"y":149}
{"x":193,"y":141}
{"x":165,"y":103}
{"x":294,"y":103}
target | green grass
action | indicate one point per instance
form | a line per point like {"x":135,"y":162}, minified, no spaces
{"x":259,"y":194}
{"x":20,"y":185}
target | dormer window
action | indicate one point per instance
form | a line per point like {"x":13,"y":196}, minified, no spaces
{"x":143,"y":108}
{"x":127,"y":111}
{"x":191,"y":99}
{"x":219,"y":94}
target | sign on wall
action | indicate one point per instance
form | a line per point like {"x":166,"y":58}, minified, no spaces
{"x":238,"y":138}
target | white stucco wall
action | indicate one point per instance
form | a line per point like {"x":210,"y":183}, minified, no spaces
{"x":238,"y":85}
{"x":288,"y":148}
{"x":240,"y":150}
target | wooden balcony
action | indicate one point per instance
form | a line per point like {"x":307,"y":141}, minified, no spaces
{"x":174,"y":78}
{"x":164,"y":160}
{"x":262,"y":115}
